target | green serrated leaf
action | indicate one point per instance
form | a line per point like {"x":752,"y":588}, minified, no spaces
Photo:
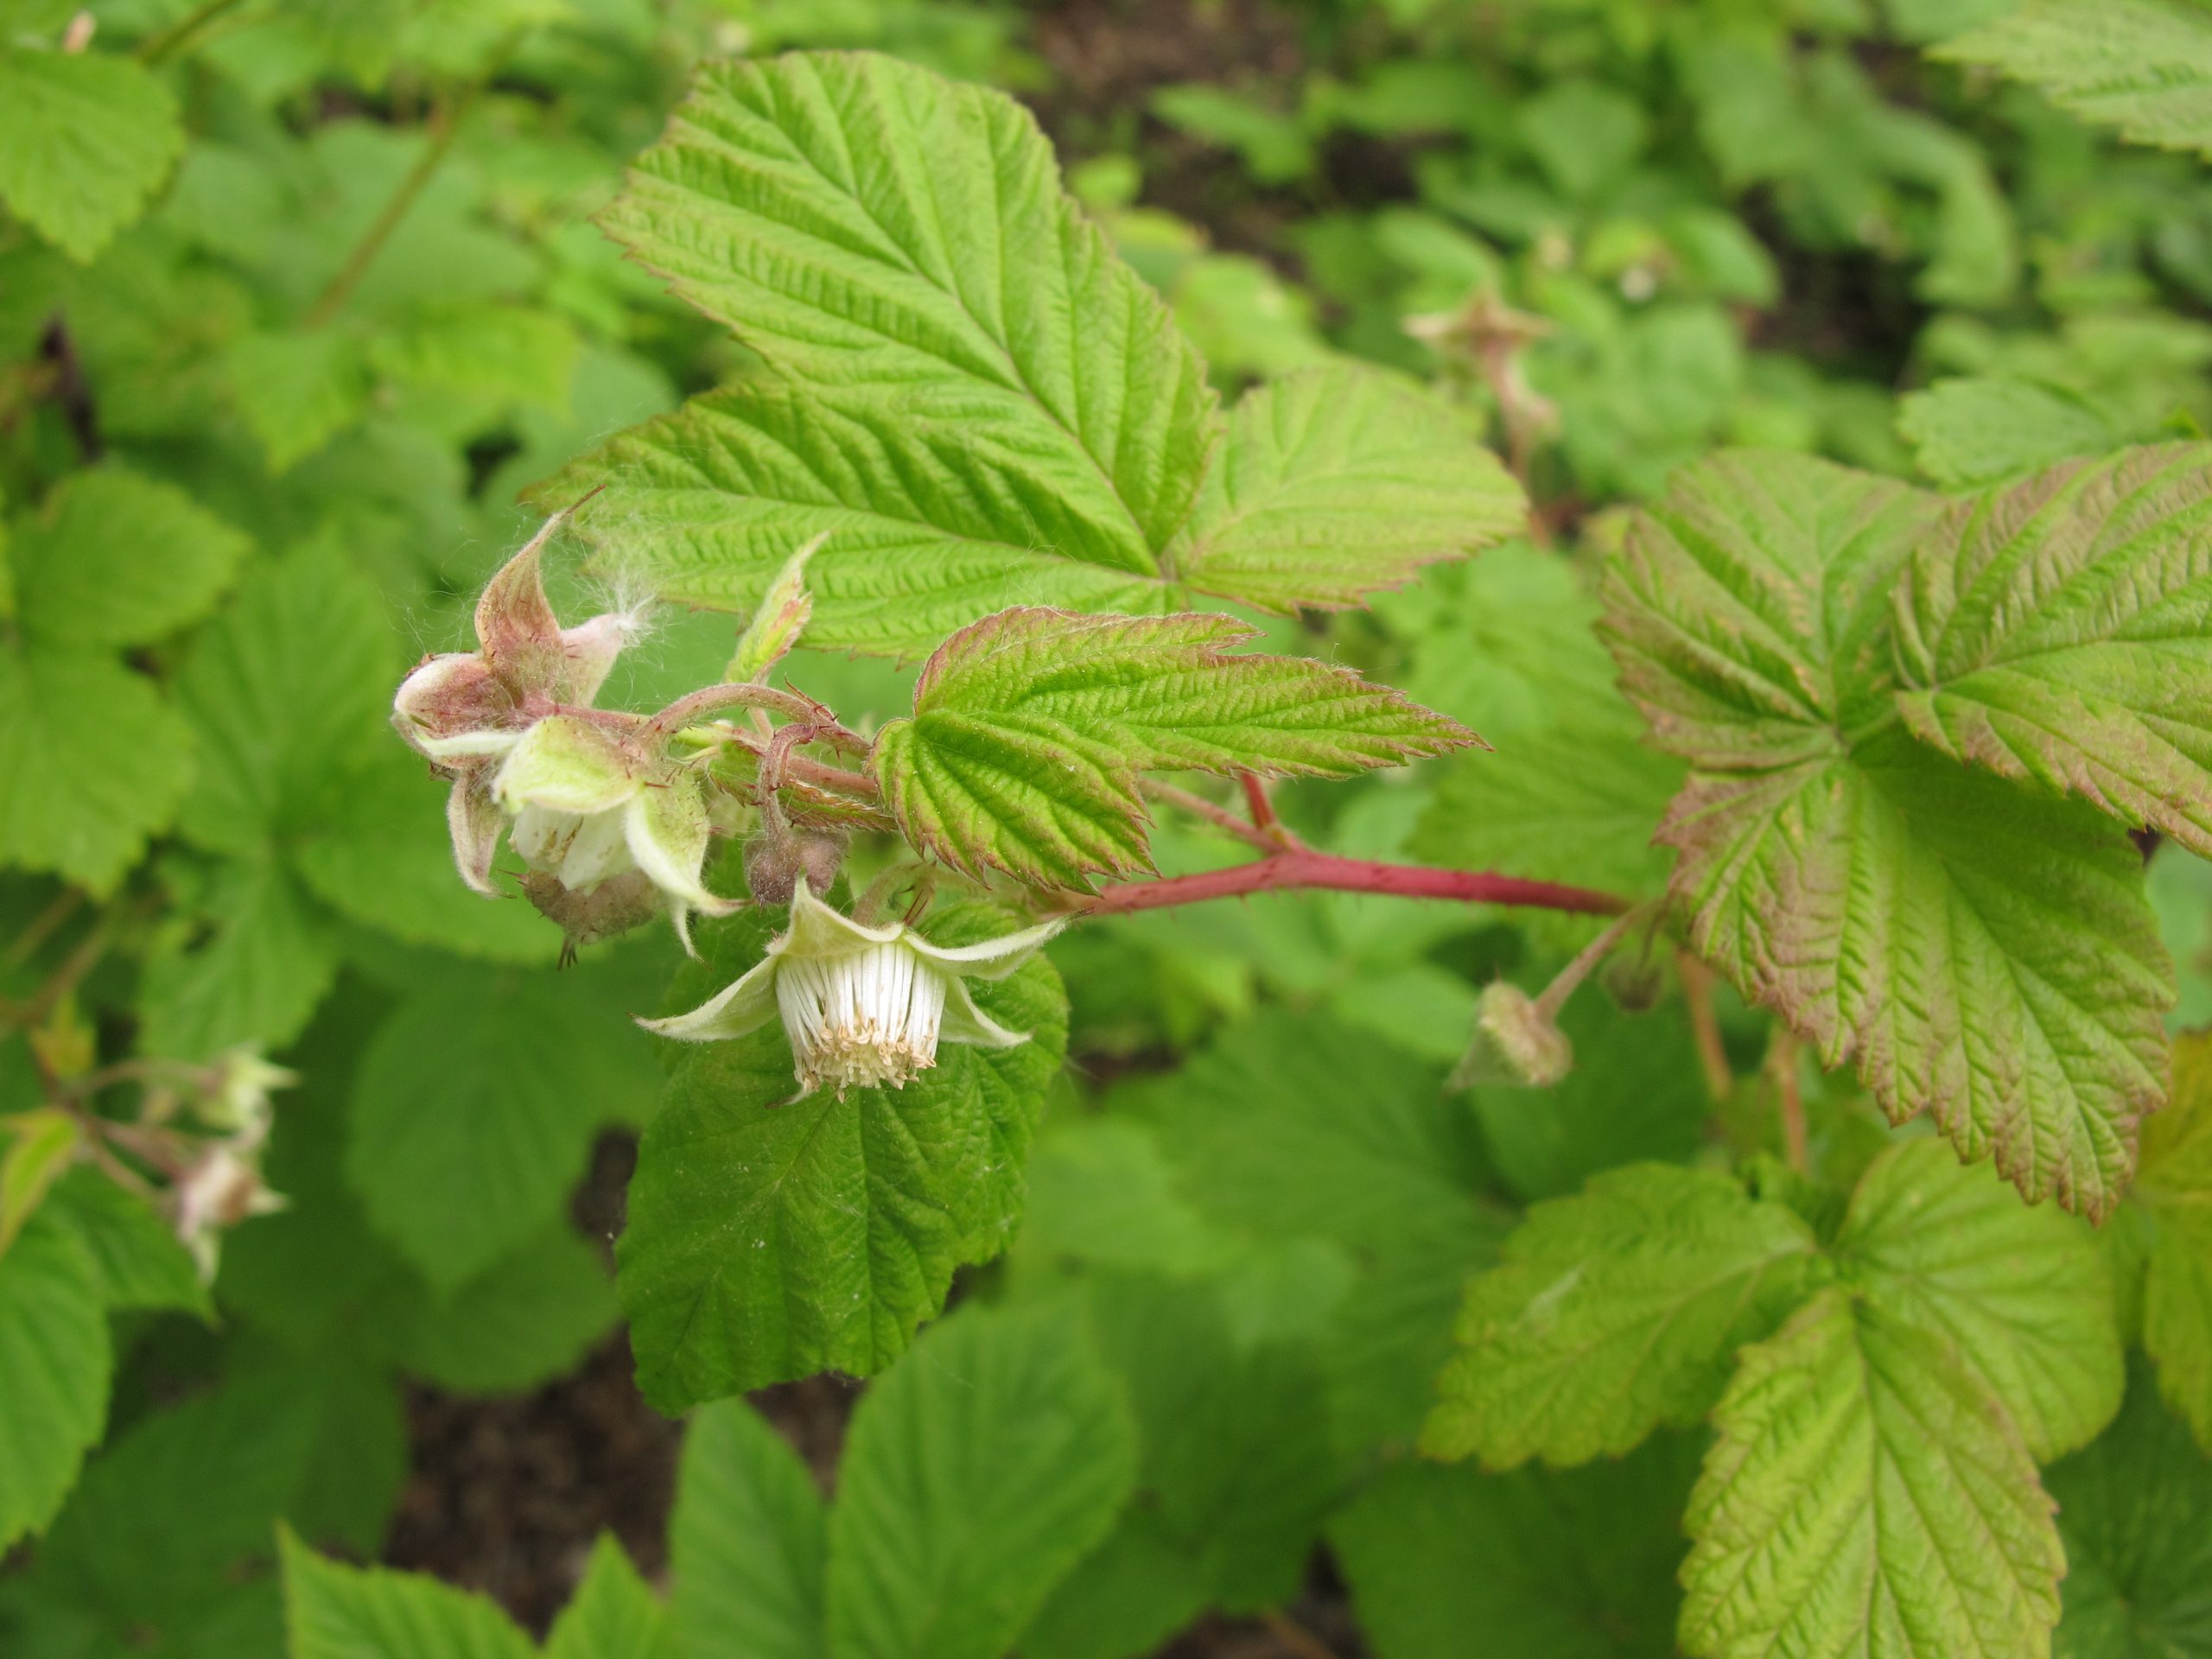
{"x":55,"y":1354}
{"x":2055,"y":631}
{"x":2174,"y":1193}
{"x":474,"y":1108}
{"x":2021,"y":1292}
{"x":1986,"y":953}
{"x":84,"y":140}
{"x":1978,"y":429}
{"x":1865,"y":1496}
{"x":82,"y":567}
{"x":1030,"y":726}
{"x":530,"y":1316}
{"x":2142,"y":65}
{"x":335,"y":1611}
{"x":2135,"y":1512}
{"x":268,"y":961}
{"x":36,"y":1148}
{"x":1545,"y":1564}
{"x":972,"y":1478}
{"x":135,"y":1254}
{"x":613,"y":1614}
{"x":298,"y":391}
{"x":96,"y":762}
{"x":1128,"y":1596}
{"x":1335,"y":481}
{"x":748,"y":1542}
{"x":1614,"y":1312}
{"x":770,"y":1238}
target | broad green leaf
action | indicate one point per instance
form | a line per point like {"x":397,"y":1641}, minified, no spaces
{"x":287,"y":692}
{"x":1614,"y":1312}
{"x":748,"y":1542}
{"x":2142,"y":65}
{"x":770,"y":1237}
{"x":1865,"y":1496}
{"x":55,"y":1354}
{"x":1984,"y":427}
{"x":298,"y":390}
{"x":135,"y":1254}
{"x":1543,"y":1563}
{"x":1235,"y":1463}
{"x":615,"y":1613}
{"x":2055,"y":631}
{"x":84,"y":140}
{"x":1985,"y":952}
{"x":508,"y":353}
{"x":336,"y":1612}
{"x":1030,"y":728}
{"x":1102,"y":1191}
{"x":973,"y":1477}
{"x":267,"y":960}
{"x":2174,"y":1193}
{"x":530,"y":1316}
{"x":968,"y":392}
{"x":2021,"y":1292}
{"x":95,"y":761}
{"x":115,"y":559}
{"x":2135,"y":1512}
{"x":1335,"y":482}
{"x":1128,"y":1596}
{"x":37,"y":1147}
{"x":473,"y":1112}
{"x":1634,"y":1094}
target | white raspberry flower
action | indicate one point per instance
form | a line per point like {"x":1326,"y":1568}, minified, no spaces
{"x":862,"y":1006}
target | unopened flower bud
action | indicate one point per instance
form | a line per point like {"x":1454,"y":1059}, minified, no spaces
{"x":774,"y":861}
{"x":239,"y":1103}
{"x":222,"y":1189}
{"x":1516,"y":1043}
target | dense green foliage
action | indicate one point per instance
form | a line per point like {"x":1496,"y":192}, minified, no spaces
{"x":1678,"y":536}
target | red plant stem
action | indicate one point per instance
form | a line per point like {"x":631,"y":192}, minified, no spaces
{"x":1303,"y":867}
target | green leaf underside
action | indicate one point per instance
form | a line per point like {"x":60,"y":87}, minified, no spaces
{"x":1987,"y":954}
{"x":770,"y":1238}
{"x":1030,"y":726}
{"x":971,"y":1481}
{"x":2142,"y":65}
{"x":1865,"y":1496}
{"x":55,"y":1355}
{"x":2060,"y":631}
{"x":2175,"y":1192}
{"x":967,"y":391}
{"x":2021,"y":1292}
{"x":1613,"y":1312}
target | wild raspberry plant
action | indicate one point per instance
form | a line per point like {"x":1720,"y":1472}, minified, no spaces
{"x":1894,"y":741}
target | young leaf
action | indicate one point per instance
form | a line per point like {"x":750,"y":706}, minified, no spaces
{"x":770,"y":1238}
{"x":1865,"y":1496}
{"x":2135,"y":1512}
{"x":613,"y":1614}
{"x":82,"y":576}
{"x":2021,"y":1292}
{"x":1545,"y":1564}
{"x":334,"y":1612}
{"x":2142,"y":65}
{"x":973,"y":1477}
{"x":1987,"y":954}
{"x":2055,"y":631}
{"x":84,"y":140}
{"x":1333,"y":482}
{"x":748,"y":1542}
{"x":2175,"y":1191}
{"x":1030,"y":728}
{"x":1614,"y":1312}
{"x":967,"y":388}
{"x":55,"y":1353}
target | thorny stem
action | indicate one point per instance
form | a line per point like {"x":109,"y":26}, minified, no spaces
{"x":1712,"y":1056}
{"x":1263,"y":812}
{"x":164,"y":44}
{"x":1302,"y":867}
{"x":1571,"y":976}
{"x":1782,"y":1059}
{"x":1220,"y":816}
{"x":791,"y":706}
{"x":445,"y":126}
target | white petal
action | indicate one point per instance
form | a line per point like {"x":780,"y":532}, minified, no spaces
{"x":989,"y":958}
{"x":966,"y":1023}
{"x":739,"y":1010}
{"x":475,"y":821}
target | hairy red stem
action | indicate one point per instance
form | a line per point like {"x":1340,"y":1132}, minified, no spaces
{"x":1303,"y":867}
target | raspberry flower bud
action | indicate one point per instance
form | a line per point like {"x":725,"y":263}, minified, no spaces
{"x":1515,"y":1042}
{"x":862,"y":1006}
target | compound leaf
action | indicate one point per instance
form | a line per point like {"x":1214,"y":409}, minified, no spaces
{"x":1030,"y":726}
{"x":1866,"y":1496}
{"x":1615,"y":1312}
{"x":972,"y":1479}
{"x":2058,"y":631}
